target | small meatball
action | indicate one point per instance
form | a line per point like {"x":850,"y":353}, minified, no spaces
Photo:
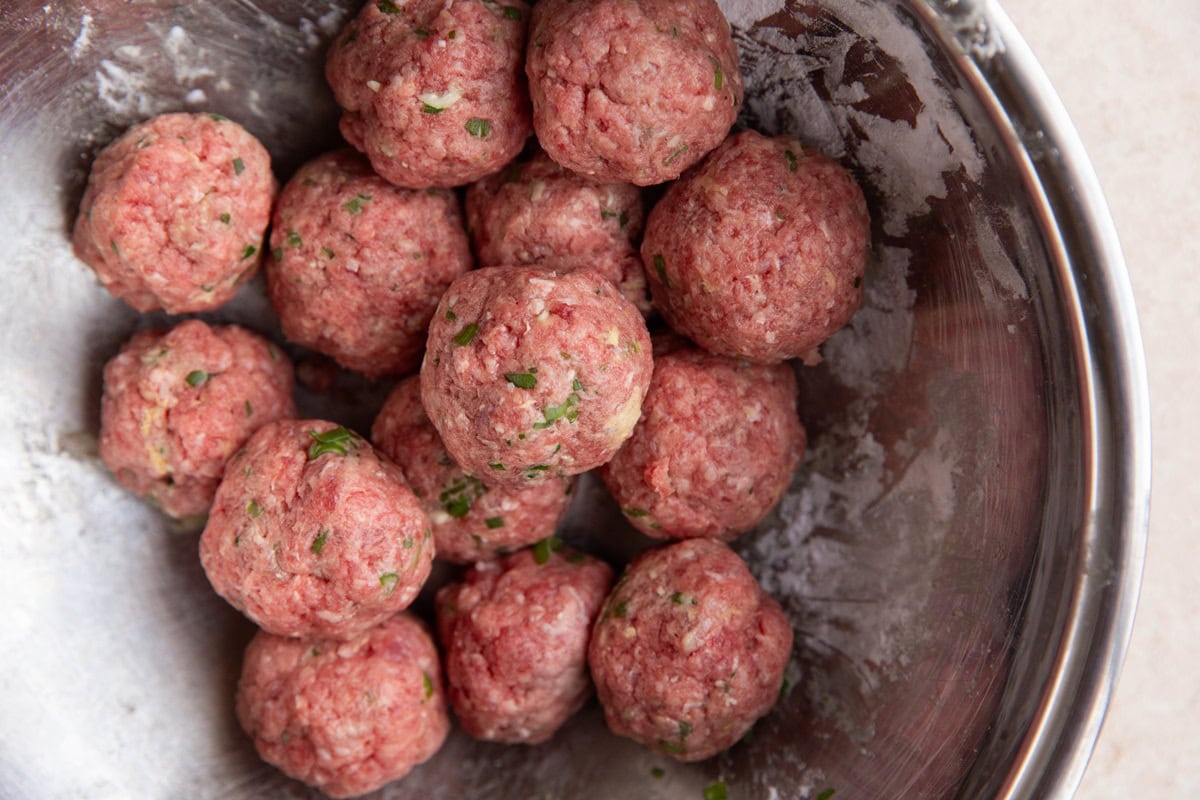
{"x":313,"y":534}
{"x":689,"y":650}
{"x":759,"y":252}
{"x":537,"y":213}
{"x":358,"y":265}
{"x":529,"y":374}
{"x":472,"y":520}
{"x":178,"y":403}
{"x":515,"y":633}
{"x":432,"y":90}
{"x":345,"y":717}
{"x":715,"y":448}
{"x":632,"y":92}
{"x":175,"y":211}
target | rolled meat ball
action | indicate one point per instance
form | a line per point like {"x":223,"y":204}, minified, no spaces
{"x":175,"y":211}
{"x":358,"y":265}
{"x":472,"y":519}
{"x":345,"y":717}
{"x":714,"y":450}
{"x":432,"y":90}
{"x":689,"y":651}
{"x":515,"y":633}
{"x":529,"y":374}
{"x":178,"y":403}
{"x":540,"y":214}
{"x":632,"y":92}
{"x":313,"y":534}
{"x":759,"y":252}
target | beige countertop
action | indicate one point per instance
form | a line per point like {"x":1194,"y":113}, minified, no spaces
{"x":1129,"y":77}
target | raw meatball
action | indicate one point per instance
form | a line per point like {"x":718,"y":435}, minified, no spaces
{"x":689,"y":650}
{"x":313,"y":534}
{"x":715,"y":448}
{"x":529,"y":374}
{"x":472,"y":520}
{"x":759,"y":252}
{"x":346,"y":717}
{"x":358,"y":265}
{"x":632,"y":92}
{"x":178,"y":403}
{"x":175,"y":211}
{"x":537,"y":213}
{"x":515,"y":634}
{"x":432,"y":90}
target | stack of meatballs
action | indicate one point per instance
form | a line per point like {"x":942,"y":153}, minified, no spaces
{"x":516,"y":317}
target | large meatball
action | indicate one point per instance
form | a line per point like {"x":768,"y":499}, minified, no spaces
{"x":175,"y":211}
{"x":358,"y":265}
{"x":472,"y":520}
{"x":529,"y":374}
{"x":346,"y":717}
{"x":689,"y":650}
{"x":715,"y":448}
{"x":432,"y":90}
{"x":537,"y":213}
{"x":759,"y":252}
{"x":178,"y":403}
{"x":632,"y":92}
{"x":313,"y":534}
{"x":515,"y":633}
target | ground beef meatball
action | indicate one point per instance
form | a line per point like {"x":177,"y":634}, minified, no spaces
{"x":759,"y":252}
{"x":346,"y":717}
{"x":632,"y":92}
{"x":515,"y":633}
{"x":529,"y":374}
{"x":689,"y":650}
{"x":432,"y":90}
{"x":358,"y":265}
{"x":472,"y":520}
{"x":537,"y":213}
{"x":174,"y":212}
{"x":313,"y":534}
{"x":178,"y":403}
{"x":715,"y":448}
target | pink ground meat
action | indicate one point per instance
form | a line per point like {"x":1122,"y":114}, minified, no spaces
{"x":345,"y":717}
{"x":313,"y":534}
{"x":760,"y":251}
{"x":715,"y":448}
{"x":515,"y":633}
{"x":432,"y":90}
{"x":174,"y":212}
{"x":689,"y":650}
{"x":472,"y":520}
{"x":358,"y":265}
{"x":632,"y":92}
{"x":537,"y":213}
{"x":529,"y":374}
{"x":178,"y":403}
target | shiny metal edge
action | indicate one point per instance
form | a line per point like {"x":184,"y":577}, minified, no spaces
{"x":1083,"y":245}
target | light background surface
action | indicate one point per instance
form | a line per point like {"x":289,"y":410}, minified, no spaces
{"x":1129,"y":77}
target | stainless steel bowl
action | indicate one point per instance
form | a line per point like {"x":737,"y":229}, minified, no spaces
{"x":960,"y":553}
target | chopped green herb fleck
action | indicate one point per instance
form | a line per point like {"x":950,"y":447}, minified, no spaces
{"x":671,"y":747}
{"x":718,"y":75}
{"x":621,"y":609}
{"x":553,"y":413}
{"x":314,"y":652}
{"x":354,"y":204}
{"x":677,"y":598}
{"x":328,"y":253}
{"x":857,"y":281}
{"x":225,"y":218}
{"x":334,"y":441}
{"x":543,"y":549}
{"x":196,"y":377}
{"x":428,"y":682}
{"x":277,"y":254}
{"x":791,"y":159}
{"x":825,"y":795}
{"x":465,"y":336}
{"x":658,"y":772}
{"x":623,"y":219}
{"x":421,"y":33}
{"x":783,"y":687}
{"x":685,"y":729}
{"x":249,"y":409}
{"x":479,"y":128}
{"x":218,"y":118}
{"x":387,"y":7}
{"x":660,"y":266}
{"x":577,"y":385}
{"x":408,"y":543}
{"x":450,"y":315}
{"x":606,"y":214}
{"x":113,"y":242}
{"x":521,"y":380}
{"x":497,"y":465}
{"x":249,"y":251}
{"x":318,"y":543}
{"x":293,"y":239}
{"x":494,"y":522}
{"x":635,"y":512}
{"x":678,"y":152}
{"x":428,"y":109}
{"x":511,"y":12}
{"x":254,"y":509}
{"x":388,"y":581}
{"x":452,"y":35}
{"x":716,"y":791}
{"x":310,"y":180}
{"x":458,"y":497}
{"x":238,"y":166}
